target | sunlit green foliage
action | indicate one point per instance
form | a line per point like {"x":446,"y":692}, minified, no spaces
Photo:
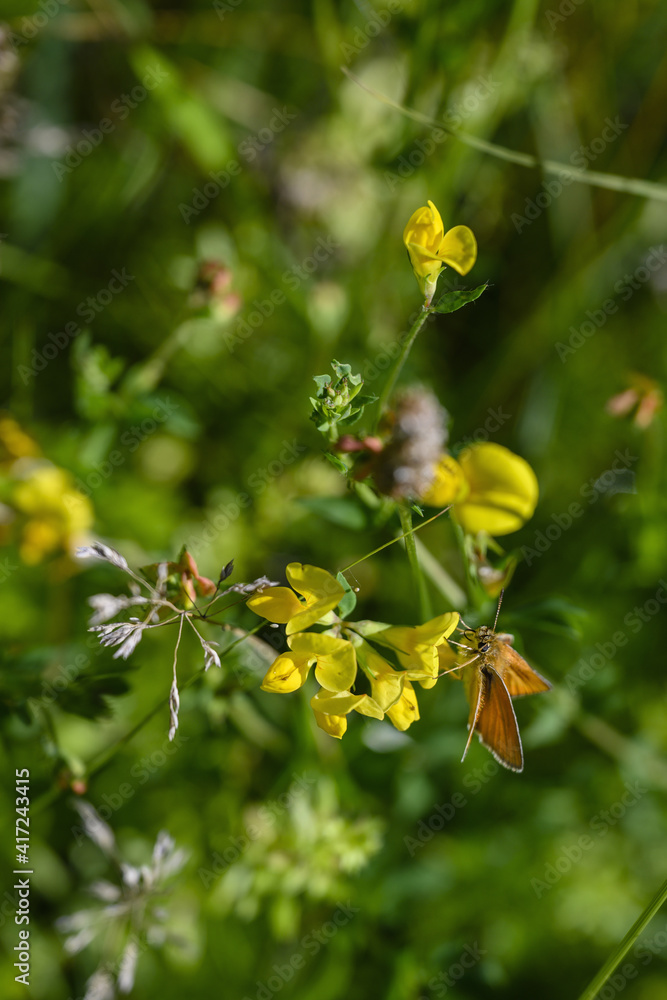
{"x":201,"y":213}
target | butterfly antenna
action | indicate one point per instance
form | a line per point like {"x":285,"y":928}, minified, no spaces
{"x":458,"y":666}
{"x":500,"y":601}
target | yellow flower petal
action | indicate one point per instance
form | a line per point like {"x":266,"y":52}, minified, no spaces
{"x":338,"y":671}
{"x":417,"y":648}
{"x":503,"y":490}
{"x":287,"y":673}
{"x":448,"y":486}
{"x":313,"y":583}
{"x":321,"y":590}
{"x":336,"y":667}
{"x":415,"y":639}
{"x":406,"y":709}
{"x":459,"y":249}
{"x":425,"y":228}
{"x":447,"y":658}
{"x":386,"y":683}
{"x":276,"y":604}
{"x":334,"y":725}
{"x":387,"y":688}
{"x":344,"y":702}
{"x":434,"y":631}
{"x":422,"y":237}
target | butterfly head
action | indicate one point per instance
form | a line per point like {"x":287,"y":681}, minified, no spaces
{"x":484,"y":637}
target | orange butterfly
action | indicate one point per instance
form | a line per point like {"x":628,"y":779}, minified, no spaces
{"x":492,"y":677}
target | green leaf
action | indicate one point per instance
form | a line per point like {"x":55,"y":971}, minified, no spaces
{"x":337,"y":462}
{"x":344,"y":371}
{"x":349,"y":602}
{"x":322,"y":382}
{"x":451,"y":301}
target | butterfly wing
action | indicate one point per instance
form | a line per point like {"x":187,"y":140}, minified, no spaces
{"x":495,"y":722}
{"x":518,"y":676}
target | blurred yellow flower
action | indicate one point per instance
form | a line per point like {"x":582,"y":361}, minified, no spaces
{"x":14,"y":442}
{"x":490,"y":489}
{"x":430,"y":248}
{"x":321,"y":592}
{"x":58,"y":515}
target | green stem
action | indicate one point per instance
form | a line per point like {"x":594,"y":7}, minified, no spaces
{"x":100,"y":760}
{"x":392,"y":541}
{"x":439,"y":576}
{"x":411,"y":549}
{"x":617,"y":956}
{"x":612,"y":182}
{"x":104,"y":756}
{"x":400,"y":361}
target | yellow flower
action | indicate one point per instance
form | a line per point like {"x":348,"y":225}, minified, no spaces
{"x":390,"y":688}
{"x":430,"y":248}
{"x":331,"y":708}
{"x":14,"y":442}
{"x":417,"y":648}
{"x":491,"y":489}
{"x":406,"y":709}
{"x":334,"y":725}
{"x":321,"y":593}
{"x":386,"y":683}
{"x":287,"y":673}
{"x":335,"y":659}
{"x":57,"y":514}
{"x":449,"y":485}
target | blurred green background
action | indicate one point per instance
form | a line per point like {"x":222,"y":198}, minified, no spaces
{"x":167,"y":169}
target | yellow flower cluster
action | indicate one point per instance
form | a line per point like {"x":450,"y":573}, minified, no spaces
{"x":344,"y":659}
{"x":57,"y":515}
{"x":50,"y":513}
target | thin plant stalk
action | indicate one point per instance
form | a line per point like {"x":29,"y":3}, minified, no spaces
{"x":392,"y":541}
{"x":397,"y":367}
{"x":439,"y":577}
{"x":612,"y":182}
{"x":411,"y":549}
{"x":626,"y":944}
{"x":104,"y":757}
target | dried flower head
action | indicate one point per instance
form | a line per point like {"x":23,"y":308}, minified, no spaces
{"x":168,"y":592}
{"x":405,"y":468}
{"x":132,"y":913}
